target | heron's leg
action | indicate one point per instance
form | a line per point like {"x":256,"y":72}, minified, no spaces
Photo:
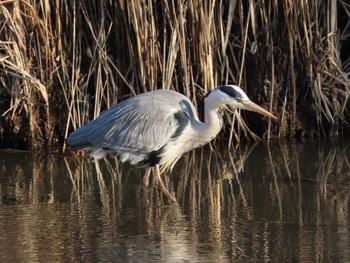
{"x":160,"y":183}
{"x":146,"y":177}
{"x":146,"y":186}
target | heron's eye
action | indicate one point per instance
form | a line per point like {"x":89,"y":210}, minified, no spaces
{"x":239,"y":100}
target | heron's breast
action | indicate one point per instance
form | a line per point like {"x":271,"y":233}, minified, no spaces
{"x":175,"y":148}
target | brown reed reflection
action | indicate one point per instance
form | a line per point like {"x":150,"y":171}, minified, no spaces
{"x":253,"y":202}
{"x":312,"y":167}
{"x":197,"y":181}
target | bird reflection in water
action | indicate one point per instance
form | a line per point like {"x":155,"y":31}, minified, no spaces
{"x":198,"y":176}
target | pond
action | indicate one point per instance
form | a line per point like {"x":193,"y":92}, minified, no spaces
{"x":285,"y":202}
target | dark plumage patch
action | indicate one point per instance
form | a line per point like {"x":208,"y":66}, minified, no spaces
{"x":230,"y":91}
{"x":154,"y":157}
{"x":182,"y":120}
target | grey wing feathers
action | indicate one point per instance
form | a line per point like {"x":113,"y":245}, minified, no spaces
{"x":143,"y":123}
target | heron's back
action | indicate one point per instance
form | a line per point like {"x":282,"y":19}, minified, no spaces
{"x":136,"y":129}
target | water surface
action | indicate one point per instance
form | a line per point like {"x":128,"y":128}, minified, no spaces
{"x":287,"y":202}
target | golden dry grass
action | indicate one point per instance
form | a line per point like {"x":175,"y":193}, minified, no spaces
{"x":62,"y":62}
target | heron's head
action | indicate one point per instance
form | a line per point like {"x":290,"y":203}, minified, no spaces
{"x":234,"y":96}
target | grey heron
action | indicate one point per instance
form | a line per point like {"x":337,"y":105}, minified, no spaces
{"x":154,"y":129}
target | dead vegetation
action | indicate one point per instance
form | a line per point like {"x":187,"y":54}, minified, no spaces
{"x":62,"y":62}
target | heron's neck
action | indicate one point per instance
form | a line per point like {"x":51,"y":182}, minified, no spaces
{"x":212,"y":124}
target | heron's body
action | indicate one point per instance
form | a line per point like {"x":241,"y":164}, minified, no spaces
{"x":156,"y":128}
{"x":148,"y":129}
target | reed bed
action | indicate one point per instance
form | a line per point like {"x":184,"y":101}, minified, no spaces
{"x":62,"y":62}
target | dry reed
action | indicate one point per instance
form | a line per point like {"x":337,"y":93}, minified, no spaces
{"x":62,"y":62}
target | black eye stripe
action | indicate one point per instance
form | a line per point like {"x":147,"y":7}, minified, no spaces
{"x":232,"y":92}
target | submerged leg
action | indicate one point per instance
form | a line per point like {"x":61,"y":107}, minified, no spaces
{"x":161,"y":185}
{"x":146,"y":186}
{"x":146,"y":177}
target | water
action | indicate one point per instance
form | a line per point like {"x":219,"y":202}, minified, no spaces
{"x":284,"y":203}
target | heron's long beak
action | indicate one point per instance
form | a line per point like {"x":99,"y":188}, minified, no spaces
{"x":249,"y":105}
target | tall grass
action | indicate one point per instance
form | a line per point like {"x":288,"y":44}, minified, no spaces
{"x":62,"y":62}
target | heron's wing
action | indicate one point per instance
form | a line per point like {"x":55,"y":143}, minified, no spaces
{"x":141,"y":124}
